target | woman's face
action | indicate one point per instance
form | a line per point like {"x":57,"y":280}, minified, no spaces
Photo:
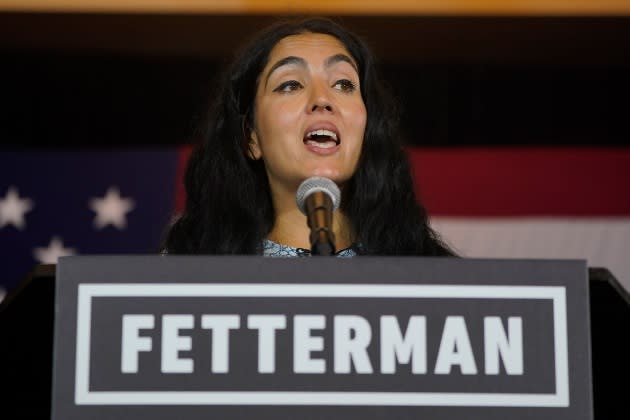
{"x":309,"y":114}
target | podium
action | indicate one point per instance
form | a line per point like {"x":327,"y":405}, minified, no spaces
{"x":445,"y":385}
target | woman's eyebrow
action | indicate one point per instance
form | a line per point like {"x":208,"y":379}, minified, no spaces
{"x":290,"y":60}
{"x":299,"y":61}
{"x":337,"y":58}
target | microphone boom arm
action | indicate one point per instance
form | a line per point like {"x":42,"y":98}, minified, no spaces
{"x":319,"y":218}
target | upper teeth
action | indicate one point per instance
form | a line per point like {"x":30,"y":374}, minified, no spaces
{"x":328,"y":133}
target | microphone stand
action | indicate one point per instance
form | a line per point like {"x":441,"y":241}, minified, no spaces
{"x":319,"y":216}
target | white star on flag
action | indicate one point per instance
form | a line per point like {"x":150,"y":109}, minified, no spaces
{"x":111,"y":209}
{"x":50,"y":254}
{"x":12,"y":209}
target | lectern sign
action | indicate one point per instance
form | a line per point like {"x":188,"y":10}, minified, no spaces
{"x":248,"y":337}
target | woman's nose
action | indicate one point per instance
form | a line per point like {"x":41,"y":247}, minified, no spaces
{"x":320,"y":98}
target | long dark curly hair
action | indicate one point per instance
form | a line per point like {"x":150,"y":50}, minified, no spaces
{"x":228,"y":205}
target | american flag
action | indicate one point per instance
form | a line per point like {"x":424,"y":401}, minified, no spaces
{"x":486,"y":202}
{"x":56,"y":203}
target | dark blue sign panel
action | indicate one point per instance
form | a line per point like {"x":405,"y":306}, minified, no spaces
{"x":238,"y":337}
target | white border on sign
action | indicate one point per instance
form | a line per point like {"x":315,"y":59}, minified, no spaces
{"x":83,"y":395}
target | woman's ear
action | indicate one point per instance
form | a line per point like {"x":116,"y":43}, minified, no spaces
{"x":253,"y":147}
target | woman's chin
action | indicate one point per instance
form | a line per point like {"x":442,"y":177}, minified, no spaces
{"x":331,"y":173}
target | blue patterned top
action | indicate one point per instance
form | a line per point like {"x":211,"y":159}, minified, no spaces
{"x":274,"y":249}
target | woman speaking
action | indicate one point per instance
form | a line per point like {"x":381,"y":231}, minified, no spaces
{"x":301,"y":100}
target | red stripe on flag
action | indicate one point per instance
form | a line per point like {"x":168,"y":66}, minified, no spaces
{"x":180,"y":191}
{"x":511,"y":181}
{"x":523,"y":181}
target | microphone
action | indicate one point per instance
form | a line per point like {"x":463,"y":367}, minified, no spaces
{"x":317,"y":198}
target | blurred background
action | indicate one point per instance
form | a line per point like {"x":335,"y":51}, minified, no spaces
{"x":515,"y":114}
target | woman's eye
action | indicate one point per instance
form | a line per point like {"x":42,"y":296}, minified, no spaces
{"x":344,"y":85}
{"x":288,"y":86}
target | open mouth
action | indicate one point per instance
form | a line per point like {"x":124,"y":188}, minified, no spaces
{"x":323,"y":139}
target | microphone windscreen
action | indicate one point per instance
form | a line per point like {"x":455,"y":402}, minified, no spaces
{"x":317,"y":183}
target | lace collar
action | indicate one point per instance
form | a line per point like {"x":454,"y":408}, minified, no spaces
{"x":274,"y":249}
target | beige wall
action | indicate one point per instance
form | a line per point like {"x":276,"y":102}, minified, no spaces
{"x":356,"y":7}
